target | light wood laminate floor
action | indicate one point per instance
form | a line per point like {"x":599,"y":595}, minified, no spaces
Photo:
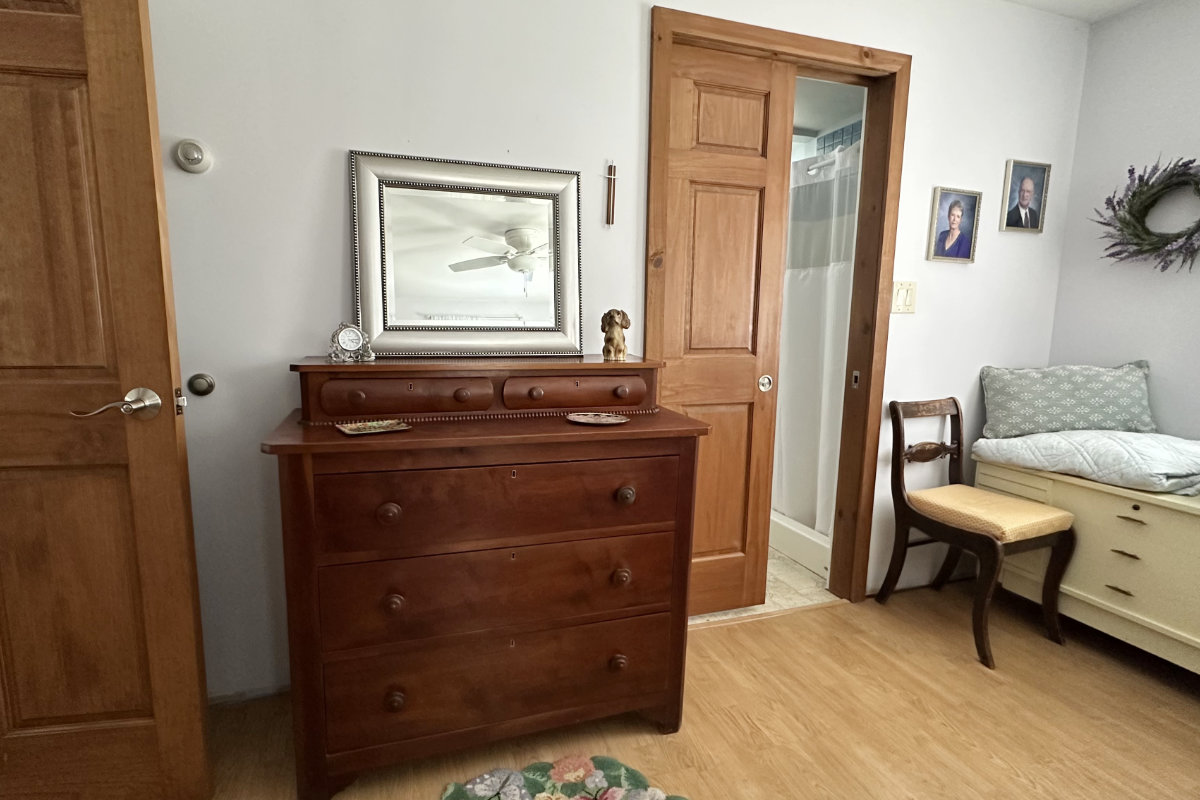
{"x":842,"y":701}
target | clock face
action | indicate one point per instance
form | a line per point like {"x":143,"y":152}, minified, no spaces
{"x":350,"y":338}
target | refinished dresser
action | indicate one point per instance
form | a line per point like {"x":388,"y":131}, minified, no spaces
{"x":1136,"y":561}
{"x":494,"y":570}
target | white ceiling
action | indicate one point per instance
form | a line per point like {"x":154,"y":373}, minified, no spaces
{"x":1086,"y":10}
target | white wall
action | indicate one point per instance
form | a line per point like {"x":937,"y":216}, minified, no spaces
{"x":280,"y":89}
{"x":1138,"y":106}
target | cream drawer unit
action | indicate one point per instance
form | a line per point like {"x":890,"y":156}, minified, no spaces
{"x":1136,"y":561}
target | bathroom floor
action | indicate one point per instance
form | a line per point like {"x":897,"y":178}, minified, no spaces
{"x":789,"y":586}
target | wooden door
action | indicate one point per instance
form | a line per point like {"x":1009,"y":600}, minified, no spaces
{"x":720,"y":146}
{"x":101,"y":679}
{"x":721,"y":98}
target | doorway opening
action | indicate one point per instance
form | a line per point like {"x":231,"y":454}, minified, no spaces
{"x":818,"y":278}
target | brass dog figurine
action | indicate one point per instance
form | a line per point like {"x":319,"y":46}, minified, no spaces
{"x":613,"y":325}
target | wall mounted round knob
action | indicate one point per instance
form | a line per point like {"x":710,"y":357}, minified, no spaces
{"x":621,"y":391}
{"x":394,"y":701}
{"x":462,"y":395}
{"x":622,"y":577}
{"x":618,"y":662}
{"x":389,"y":513}
{"x":394,"y":603}
{"x":191,"y":155}
{"x":626,"y":495}
{"x":201,"y":384}
{"x":537,"y":393}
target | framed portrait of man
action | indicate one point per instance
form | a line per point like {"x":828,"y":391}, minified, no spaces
{"x":1025,"y":184}
{"x":953,"y":225}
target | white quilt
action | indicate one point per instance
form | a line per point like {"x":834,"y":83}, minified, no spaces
{"x":1152,"y":462}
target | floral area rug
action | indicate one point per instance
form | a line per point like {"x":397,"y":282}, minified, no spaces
{"x":569,"y":778}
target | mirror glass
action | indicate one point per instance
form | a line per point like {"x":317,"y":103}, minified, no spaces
{"x":465,"y":258}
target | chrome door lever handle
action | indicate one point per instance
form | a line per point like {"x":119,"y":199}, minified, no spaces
{"x":140,"y":402}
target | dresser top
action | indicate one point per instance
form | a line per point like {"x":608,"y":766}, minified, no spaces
{"x":592,"y":363}
{"x":291,"y":437}
{"x":1179,"y":502}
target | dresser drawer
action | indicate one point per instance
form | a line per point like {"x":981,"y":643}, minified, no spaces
{"x":383,"y":397}
{"x":573,"y":392}
{"x":423,"y":512}
{"x":1140,"y":528}
{"x":487,"y":678}
{"x":415,"y":598}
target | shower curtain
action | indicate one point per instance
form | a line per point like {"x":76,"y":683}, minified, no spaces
{"x":816,"y":319}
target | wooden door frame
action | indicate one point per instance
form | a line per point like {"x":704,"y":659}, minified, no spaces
{"x":886,"y":76}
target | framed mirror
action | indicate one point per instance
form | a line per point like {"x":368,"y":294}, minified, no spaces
{"x":464,"y":258}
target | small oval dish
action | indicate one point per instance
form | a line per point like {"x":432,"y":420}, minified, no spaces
{"x":596,"y":418}
{"x":373,"y":426}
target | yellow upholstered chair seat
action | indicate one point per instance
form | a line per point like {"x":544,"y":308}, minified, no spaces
{"x":1004,"y":518}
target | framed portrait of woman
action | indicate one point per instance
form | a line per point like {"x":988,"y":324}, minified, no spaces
{"x":1025,"y":185}
{"x":953,"y":225}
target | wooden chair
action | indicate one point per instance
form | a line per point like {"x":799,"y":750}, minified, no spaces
{"x":986,"y":524}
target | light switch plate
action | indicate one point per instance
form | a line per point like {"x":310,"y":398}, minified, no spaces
{"x":904,"y":297}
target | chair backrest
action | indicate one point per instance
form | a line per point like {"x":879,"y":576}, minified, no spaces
{"x":925,"y":451}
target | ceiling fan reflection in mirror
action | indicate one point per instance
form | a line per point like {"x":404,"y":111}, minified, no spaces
{"x":518,"y":252}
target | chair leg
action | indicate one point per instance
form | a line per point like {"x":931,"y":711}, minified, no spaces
{"x":991,"y":559}
{"x":1060,"y":556}
{"x":943,"y":575}
{"x":899,"y":553}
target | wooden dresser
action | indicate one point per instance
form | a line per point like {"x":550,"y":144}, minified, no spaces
{"x":1136,"y":560}
{"x":495,"y":570}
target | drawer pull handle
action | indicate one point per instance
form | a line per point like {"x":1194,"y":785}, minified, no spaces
{"x":618,"y":663}
{"x":394,"y":603}
{"x":394,"y":701}
{"x":1131,"y":519}
{"x":621,"y":391}
{"x":1134,"y":556}
{"x":1118,"y":590}
{"x":462,"y":395}
{"x":358,"y":397}
{"x":537,"y":393}
{"x":388,"y":514}
{"x":622,"y":577}
{"x":626,"y":495}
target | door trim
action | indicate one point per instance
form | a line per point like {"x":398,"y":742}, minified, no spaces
{"x":886,"y":76}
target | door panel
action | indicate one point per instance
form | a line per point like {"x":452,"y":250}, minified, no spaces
{"x":720,"y":141}
{"x":101,"y":678}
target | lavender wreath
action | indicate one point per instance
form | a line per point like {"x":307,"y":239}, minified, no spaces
{"x":1126,"y":213}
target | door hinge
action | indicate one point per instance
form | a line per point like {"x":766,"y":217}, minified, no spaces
{"x":180,"y":401}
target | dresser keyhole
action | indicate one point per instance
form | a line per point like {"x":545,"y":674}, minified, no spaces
{"x":514,"y":474}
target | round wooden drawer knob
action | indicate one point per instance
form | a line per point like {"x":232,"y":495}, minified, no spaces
{"x":622,"y":577}
{"x":618,"y":663}
{"x":394,"y":701}
{"x":388,"y":514}
{"x":621,"y":391}
{"x":626,"y":495}
{"x":358,"y":397}
{"x":393,"y":603}
{"x":462,"y":395}
{"x":537,"y":393}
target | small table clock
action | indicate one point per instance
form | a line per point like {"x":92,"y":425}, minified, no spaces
{"x":349,"y":343}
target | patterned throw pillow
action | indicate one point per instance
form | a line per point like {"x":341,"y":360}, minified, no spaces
{"x":1066,"y":398}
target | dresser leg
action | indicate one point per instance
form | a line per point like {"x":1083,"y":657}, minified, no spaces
{"x":323,"y":790}
{"x":666,"y":718}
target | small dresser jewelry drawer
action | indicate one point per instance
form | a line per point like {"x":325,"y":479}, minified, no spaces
{"x":386,"y":397}
{"x":477,"y":680}
{"x":422,"y":512}
{"x":414,"y":598}
{"x":573,"y":392}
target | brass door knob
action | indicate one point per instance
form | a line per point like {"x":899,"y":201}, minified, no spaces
{"x":394,"y":603}
{"x":389,"y":514}
{"x":394,"y":701}
{"x":626,"y":495}
{"x":622,"y":577}
{"x":618,"y":662}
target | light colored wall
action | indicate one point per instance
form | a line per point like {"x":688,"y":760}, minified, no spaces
{"x":281,"y":89}
{"x":1137,"y":107}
